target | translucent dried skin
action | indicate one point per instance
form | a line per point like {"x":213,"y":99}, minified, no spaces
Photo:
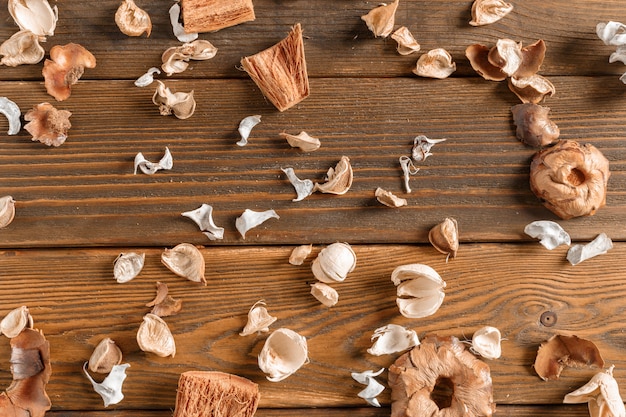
{"x":381,"y":19}
{"x":177,"y":27}
{"x":111,"y":388}
{"x":436,"y":63}
{"x":334,"y":263}
{"x":602,"y":395}
{"x":259,"y":320}
{"x":21,"y":48}
{"x":105,"y":356}
{"x":148,"y":78}
{"x":392,"y":338}
{"x":15,"y":321}
{"x":35,"y":16}
{"x":302,"y":140}
{"x":406,"y":42}
{"x":304,"y":188}
{"x":7,"y":210}
{"x":154,"y":336}
{"x":445,"y":237}
{"x":373,"y":389}
{"x":64,"y":68}
{"x":419,"y":290}
{"x":339,"y":179}
{"x":47,"y":124}
{"x":561,"y":351}
{"x":185,"y":260}
{"x":127,"y":266}
{"x":570,"y":179}
{"x":283,"y":353}
{"x":132,"y":20}
{"x":485,"y":12}
{"x":182,"y":105}
{"x":325,"y":294}
{"x":245,"y":127}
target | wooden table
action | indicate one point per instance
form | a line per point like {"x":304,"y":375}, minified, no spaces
{"x":79,"y":205}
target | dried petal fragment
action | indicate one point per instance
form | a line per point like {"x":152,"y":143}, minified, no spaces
{"x":599,"y":246}
{"x":532,"y":58}
{"x":283,"y":353}
{"x":127,"y":266}
{"x":132,"y":20}
{"x":373,"y":389}
{"x":561,"y":351}
{"x":506,"y":55}
{"x":551,"y":234}
{"x":148,"y":78}
{"x":304,"y":188}
{"x":154,"y":336}
{"x":21,"y":48}
{"x":436,"y":63}
{"x":602,"y":395}
{"x":35,"y":16}
{"x":325,"y":294}
{"x":105,"y":356}
{"x":534,"y":127}
{"x":392,"y":338}
{"x":334,"y":263}
{"x":15,"y":321}
{"x":245,"y":127}
{"x":178,"y":29}
{"x":149,"y":168}
{"x":299,"y":254}
{"x":408,"y":169}
{"x":47,"y":124}
{"x":419,"y":290}
{"x":422,"y":146}
{"x":406,"y":42}
{"x":250,"y":219}
{"x":259,"y":320}
{"x":380,"y":20}
{"x":389,"y":199}
{"x":185,"y":260}
{"x":213,"y":15}
{"x":445,"y":237}
{"x":163,"y":304}
{"x":66,"y":65}
{"x":531,"y":89}
{"x":302,"y":140}
{"x":478,"y":56}
{"x":12,"y":113}
{"x":111,"y":388}
{"x":203,"y":217}
{"x":7,"y":210}
{"x":485,"y":12}
{"x":182,"y":105}
{"x":338,"y":180}
{"x":612,"y":33}
{"x":486,"y":342}
{"x":175,"y":59}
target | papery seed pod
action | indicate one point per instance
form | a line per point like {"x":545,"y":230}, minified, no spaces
{"x":325,"y":294}
{"x":419,"y":289}
{"x":105,"y":356}
{"x":7,"y":210}
{"x":132,"y":20}
{"x":334,"y":263}
{"x":486,"y":342}
{"x":21,"y":48}
{"x":15,"y":321}
{"x":436,"y":63}
{"x":185,"y":260}
{"x":127,"y":266}
{"x":445,"y":237}
{"x":34,"y":15}
{"x":339,"y":178}
{"x":406,"y":42}
{"x":155,"y":336}
{"x":182,"y":105}
{"x":392,"y":338}
{"x":283,"y":353}
{"x":259,"y":319}
{"x":485,"y":12}
{"x":380,"y":20}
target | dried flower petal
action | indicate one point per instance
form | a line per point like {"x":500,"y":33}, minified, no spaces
{"x":245,"y":127}
{"x":15,"y":321}
{"x":185,"y":260}
{"x":302,"y":140}
{"x":531,"y":89}
{"x":154,"y":336}
{"x":561,"y":351}
{"x":485,"y":12}
{"x":175,"y":59}
{"x":283,"y":353}
{"x":149,"y":168}
{"x":105,"y":356}
{"x":486,"y":342}
{"x":259,"y":320}
{"x":66,"y":65}
{"x":445,"y":237}
{"x":35,"y":16}
{"x":436,"y":63}
{"x":422,"y":146}
{"x":148,"y":78}
{"x":181,"y":105}
{"x":203,"y":217}
{"x":250,"y":219}
{"x":12,"y":113}
{"x":325,"y":294}
{"x":612,"y":33}
{"x":392,"y":338}
{"x":408,"y":169}
{"x":406,"y":42}
{"x":599,"y":246}
{"x":506,"y":55}
{"x":47,"y":124}
{"x":163,"y":304}
{"x":389,"y":199}
{"x":304,"y":188}
{"x":602,"y":395}
{"x":127,"y":266}
{"x":551,"y":233}
{"x":7,"y":210}
{"x":419,"y":289}
{"x":338,"y":180}
{"x":178,"y":29}
{"x":478,"y":56}
{"x":334,"y":263}
{"x":21,"y":48}
{"x":132,"y":20}
{"x":619,"y":55}
{"x":373,"y":389}
{"x":299,"y":254}
{"x":111,"y":388}
{"x":381,"y":19}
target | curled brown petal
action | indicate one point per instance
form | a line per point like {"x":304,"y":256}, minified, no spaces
{"x":561,"y":351}
{"x":478,"y":58}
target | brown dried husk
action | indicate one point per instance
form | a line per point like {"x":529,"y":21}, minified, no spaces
{"x":47,"y":124}
{"x":561,"y":351}
{"x":212,"y":15}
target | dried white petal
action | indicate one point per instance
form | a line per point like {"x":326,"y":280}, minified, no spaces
{"x":406,"y":42}
{"x":419,"y":290}
{"x":551,"y":233}
{"x":436,"y":63}
{"x":408,"y":169}
{"x":7,"y":210}
{"x":185,"y":260}
{"x":148,"y":78}
{"x":147,"y":167}
{"x":15,"y":321}
{"x":111,"y":388}
{"x":304,"y":188}
{"x":21,"y":48}
{"x":601,"y":394}
{"x":283,"y":353}
{"x":299,"y":254}
{"x":34,"y":15}
{"x":389,"y":199}
{"x":12,"y":113}
{"x":178,"y":29}
{"x":325,"y":294}
{"x":373,"y":389}
{"x":380,"y":20}
{"x":338,"y":179}
{"x":485,"y":12}
{"x":334,"y":263}
{"x":392,"y":338}
{"x":599,"y":246}
{"x":302,"y":140}
{"x":422,"y":146}
{"x":259,"y":320}
{"x":203,"y":217}
{"x":618,"y":55}
{"x":612,"y":33}
{"x":486,"y":342}
{"x":127,"y":266}
{"x":155,"y":336}
{"x":245,"y":127}
{"x":250,"y":219}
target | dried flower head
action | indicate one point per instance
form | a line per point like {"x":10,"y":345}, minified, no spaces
{"x":445,"y":237}
{"x":21,"y":48}
{"x":380,"y":20}
{"x":325,"y":294}
{"x":7,"y":210}
{"x":419,"y":289}
{"x":111,"y":388}
{"x":283,"y":353}
{"x":550,"y":233}
{"x":334,"y":263}
{"x":373,"y":389}
{"x":599,"y":246}
{"x":132,"y":20}
{"x":392,"y":338}
{"x":15,"y":321}
{"x":534,"y":127}
{"x":561,"y":351}
{"x":485,"y":12}
{"x":35,"y":16}
{"x":486,"y":342}
{"x":64,"y":68}
{"x":163,"y":304}
{"x":406,"y":42}
{"x":338,"y":179}
{"x":47,"y":124}
{"x":389,"y":199}
{"x":12,"y":112}
{"x":181,"y":105}
{"x":570,"y":179}
{"x":185,"y":260}
{"x":105,"y":356}
{"x":155,"y":336}
{"x":259,"y":320}
{"x":302,"y":140}
{"x":601,"y":394}
{"x":436,"y":63}
{"x":250,"y":219}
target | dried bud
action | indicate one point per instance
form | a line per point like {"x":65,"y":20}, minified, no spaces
{"x":406,"y":42}
{"x":35,"y":16}
{"x":534,"y":128}
{"x":283,"y":353}
{"x":436,"y":63}
{"x":380,"y":20}
{"x":64,"y":68}
{"x":445,"y":237}
{"x":419,"y":289}
{"x":154,"y":336}
{"x":485,"y":12}
{"x":132,"y":20}
{"x":181,"y":105}
{"x":334,"y":263}
{"x":7,"y":210}
{"x":21,"y":48}
{"x":47,"y":124}
{"x":105,"y":356}
{"x":185,"y":260}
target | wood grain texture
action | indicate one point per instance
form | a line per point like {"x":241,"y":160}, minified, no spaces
{"x":75,"y":301}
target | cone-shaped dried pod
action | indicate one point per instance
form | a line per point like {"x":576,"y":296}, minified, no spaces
{"x":105,"y":356}
{"x":380,"y":20}
{"x":531,"y":89}
{"x":15,"y":321}
{"x":35,"y":16}
{"x":132,"y":20}
{"x":478,"y":56}
{"x":334,"y":263}
{"x":392,"y":338}
{"x":185,"y":260}
{"x":419,"y":289}
{"x":570,"y":179}
{"x":283,"y":353}
{"x":302,"y":140}
{"x":182,"y":105}
{"x":339,"y":179}
{"x":534,"y":127}
{"x":389,"y":199}
{"x":445,"y":237}
{"x":561,"y":351}
{"x":506,"y":55}
{"x":47,"y":124}
{"x":486,"y":342}
{"x":212,"y":15}
{"x":436,"y":63}
{"x":212,"y":393}
{"x":325,"y":294}
{"x":259,"y":320}
{"x":280,"y":71}
{"x":7,"y":210}
{"x":127,"y":266}
{"x":406,"y":42}
{"x":21,"y":48}
{"x":414,"y":375}
{"x":299,"y":254}
{"x":602,"y":395}
{"x":485,"y":12}
{"x":155,"y":336}
{"x":64,"y":68}
{"x":532,"y":58}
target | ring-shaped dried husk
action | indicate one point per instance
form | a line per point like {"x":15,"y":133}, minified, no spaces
{"x":283,"y":353}
{"x":334,"y":263}
{"x":155,"y":336}
{"x":185,"y":260}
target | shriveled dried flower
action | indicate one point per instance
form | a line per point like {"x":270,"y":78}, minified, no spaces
{"x":389,"y":199}
{"x":259,"y":320}
{"x":445,"y":237}
{"x":422,"y":146}
{"x":325,"y":294}
{"x":182,"y":105}
{"x":155,"y":336}
{"x":283,"y":353}
{"x":381,"y":19}
{"x":392,"y":338}
{"x":334,"y":263}
{"x":486,"y":342}
{"x":304,"y":188}
{"x":7,"y":210}
{"x":406,"y":42}
{"x":561,"y":351}
{"x":250,"y":219}
{"x":12,"y":112}
{"x":550,"y":233}
{"x":163,"y":304}
{"x":485,"y":12}
{"x":132,"y":20}
{"x":35,"y":16}
{"x":47,"y":124}
{"x":179,"y":31}
{"x":149,"y":168}
{"x":21,"y":48}
{"x":570,"y":179}
{"x":15,"y":321}
{"x":614,"y":33}
{"x":534,"y":127}
{"x":338,"y":179}
{"x":176,"y":58}
{"x":185,"y":260}
{"x":419,"y":290}
{"x":601,"y":394}
{"x":436,"y":63}
{"x":105,"y":356}
{"x":110,"y":389}
{"x":245,"y":127}
{"x":373,"y":389}
{"x":599,"y":246}
{"x":203,"y":217}
{"x":66,"y":65}
{"x":299,"y":254}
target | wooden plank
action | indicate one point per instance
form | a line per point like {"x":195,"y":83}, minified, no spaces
{"x":84,"y":192}
{"x":75,"y":301}
{"x":337,"y":42}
